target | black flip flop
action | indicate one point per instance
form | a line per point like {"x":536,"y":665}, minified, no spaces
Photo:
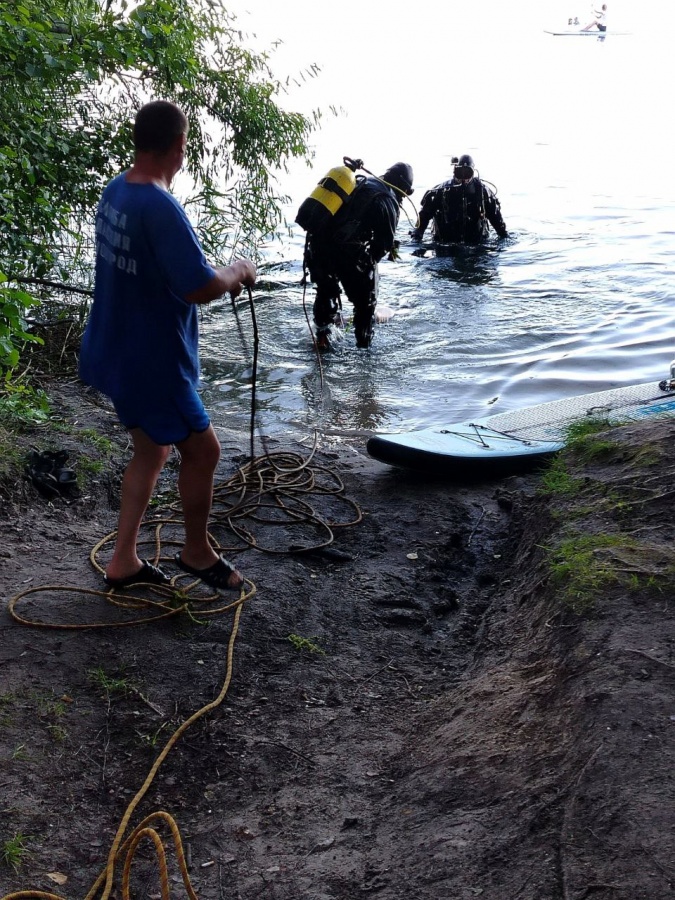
{"x":147,"y":574}
{"x":216,"y":576}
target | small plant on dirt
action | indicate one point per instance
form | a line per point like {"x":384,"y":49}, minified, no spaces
{"x":108,"y":683}
{"x":57,"y":733}
{"x":14,"y":851}
{"x":21,"y":404}
{"x":634,"y":583}
{"x":578,"y":566}
{"x":50,"y":706}
{"x":556,"y":481}
{"x":6,"y":703}
{"x":301,"y":643}
{"x":162,"y":498}
{"x":20,"y":752}
{"x":99,"y":441}
{"x":152,"y":739}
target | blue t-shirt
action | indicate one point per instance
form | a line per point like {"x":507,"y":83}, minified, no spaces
{"x":142,"y":336}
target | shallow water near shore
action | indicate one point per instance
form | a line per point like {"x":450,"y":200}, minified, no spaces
{"x":579,"y":298}
{"x":542,"y":317}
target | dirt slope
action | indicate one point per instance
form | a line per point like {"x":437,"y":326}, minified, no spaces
{"x":421,"y":710}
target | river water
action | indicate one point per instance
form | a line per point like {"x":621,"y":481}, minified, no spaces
{"x":581,"y":296}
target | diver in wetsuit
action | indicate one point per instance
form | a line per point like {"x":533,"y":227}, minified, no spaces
{"x":462,"y":208}
{"x":347,"y":252}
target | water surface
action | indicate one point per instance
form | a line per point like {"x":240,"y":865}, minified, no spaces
{"x":578,"y":299}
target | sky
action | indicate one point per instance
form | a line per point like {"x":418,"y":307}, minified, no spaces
{"x":424,"y":81}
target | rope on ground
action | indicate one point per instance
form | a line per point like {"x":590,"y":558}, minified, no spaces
{"x":126,"y":849}
{"x":270,"y":490}
{"x":274,"y":490}
{"x":281,"y":492}
{"x":175,"y":602}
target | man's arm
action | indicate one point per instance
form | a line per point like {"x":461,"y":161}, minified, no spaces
{"x":227,"y":280}
{"x":181,"y":259}
{"x":494,"y":213}
{"x":426,"y":214}
{"x":384,"y":219}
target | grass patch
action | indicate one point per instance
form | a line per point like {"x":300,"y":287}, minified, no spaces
{"x":12,"y":459}
{"x":88,"y":466}
{"x":584,"y":442}
{"x":109,"y":684}
{"x":556,"y":480}
{"x":579,"y":431}
{"x":647,"y":456}
{"x":14,"y":851}
{"x":42,"y":706}
{"x":302,"y":643}
{"x":580,"y":569}
{"x":50,"y":705}
{"x":97,"y":440}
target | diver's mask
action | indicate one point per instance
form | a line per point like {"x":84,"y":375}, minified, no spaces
{"x":463,"y":173}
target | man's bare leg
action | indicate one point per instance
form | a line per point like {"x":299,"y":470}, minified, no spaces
{"x":199,"y":456}
{"x":138,"y":484}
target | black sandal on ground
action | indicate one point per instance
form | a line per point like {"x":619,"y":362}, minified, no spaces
{"x":147,"y":574}
{"x":217,"y":576}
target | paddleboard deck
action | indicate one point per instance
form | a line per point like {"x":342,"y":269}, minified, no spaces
{"x":525,"y":435}
{"x":592,"y":33}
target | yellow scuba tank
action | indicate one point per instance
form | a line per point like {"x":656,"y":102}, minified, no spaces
{"x":330,"y":194}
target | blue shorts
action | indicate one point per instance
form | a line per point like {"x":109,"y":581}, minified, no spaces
{"x":166,"y":419}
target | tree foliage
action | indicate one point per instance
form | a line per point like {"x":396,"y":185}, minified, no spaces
{"x":74,"y":72}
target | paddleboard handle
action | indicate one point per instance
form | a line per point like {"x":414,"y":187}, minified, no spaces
{"x":667,"y":385}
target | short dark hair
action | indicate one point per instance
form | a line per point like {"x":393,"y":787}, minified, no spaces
{"x":157,"y":125}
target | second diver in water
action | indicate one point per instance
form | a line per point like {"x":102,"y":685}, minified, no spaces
{"x":462,"y":208}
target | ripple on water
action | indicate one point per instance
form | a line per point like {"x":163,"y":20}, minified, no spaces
{"x":566,"y":307}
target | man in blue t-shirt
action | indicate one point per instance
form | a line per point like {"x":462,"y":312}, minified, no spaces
{"x":140,"y":346}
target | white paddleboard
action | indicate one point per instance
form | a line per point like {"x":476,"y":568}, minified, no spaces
{"x":592,"y":33}
{"x":524,"y":435}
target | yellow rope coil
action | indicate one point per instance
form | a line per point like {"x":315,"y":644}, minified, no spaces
{"x":268,"y":491}
{"x":128,"y":847}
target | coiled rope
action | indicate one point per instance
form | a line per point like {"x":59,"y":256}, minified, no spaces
{"x":271,"y":490}
{"x":143,"y":830}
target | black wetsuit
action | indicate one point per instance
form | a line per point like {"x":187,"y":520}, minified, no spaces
{"x":347,"y":253}
{"x":461,"y":212}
